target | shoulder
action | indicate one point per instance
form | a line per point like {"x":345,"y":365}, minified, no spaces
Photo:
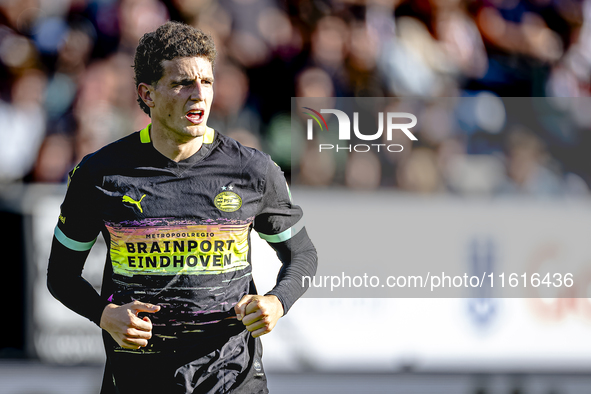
{"x":244,"y":156}
{"x":110,"y":158}
{"x":111,"y":155}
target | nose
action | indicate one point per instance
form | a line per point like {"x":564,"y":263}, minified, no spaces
{"x":197,"y":92}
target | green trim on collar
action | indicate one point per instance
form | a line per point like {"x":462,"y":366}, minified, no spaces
{"x":208,"y":136}
{"x":145,"y":135}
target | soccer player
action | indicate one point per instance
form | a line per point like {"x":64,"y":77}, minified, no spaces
{"x":176,"y":203}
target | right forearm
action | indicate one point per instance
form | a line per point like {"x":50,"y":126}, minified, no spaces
{"x":65,"y":282}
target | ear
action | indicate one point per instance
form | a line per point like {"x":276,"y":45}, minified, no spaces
{"x":145,"y":92}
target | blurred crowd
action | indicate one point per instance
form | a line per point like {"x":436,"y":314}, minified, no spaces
{"x":66,"y":84}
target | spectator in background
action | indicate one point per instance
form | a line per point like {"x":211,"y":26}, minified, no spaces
{"x":54,"y":159}
{"x":230,"y":108}
{"x":364,"y":78}
{"x":529,"y":167}
{"x":329,"y":47}
{"x":22,"y":126}
{"x":316,"y":169}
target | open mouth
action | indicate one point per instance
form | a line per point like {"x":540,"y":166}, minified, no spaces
{"x":195,"y":116}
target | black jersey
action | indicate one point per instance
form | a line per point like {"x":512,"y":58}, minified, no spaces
{"x":178,"y":233}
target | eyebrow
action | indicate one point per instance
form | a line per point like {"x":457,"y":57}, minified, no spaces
{"x":182,"y":79}
{"x":189,"y":79}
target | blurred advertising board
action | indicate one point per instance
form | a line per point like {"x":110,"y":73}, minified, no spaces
{"x":480,"y":330}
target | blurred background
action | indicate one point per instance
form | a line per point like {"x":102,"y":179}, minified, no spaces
{"x":66,"y":89}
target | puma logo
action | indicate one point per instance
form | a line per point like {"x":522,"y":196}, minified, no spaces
{"x":132,"y":201}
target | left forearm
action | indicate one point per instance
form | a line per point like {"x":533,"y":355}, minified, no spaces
{"x":299,"y":259}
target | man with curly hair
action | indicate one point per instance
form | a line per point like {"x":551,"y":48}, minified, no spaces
{"x":176,"y":203}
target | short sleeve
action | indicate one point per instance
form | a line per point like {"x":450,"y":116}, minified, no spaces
{"x":79,"y":222}
{"x":278,"y":219}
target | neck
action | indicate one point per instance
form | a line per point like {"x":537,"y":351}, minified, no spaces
{"x":174,"y":146}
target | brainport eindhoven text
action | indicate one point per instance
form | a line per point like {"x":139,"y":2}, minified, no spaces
{"x":344,"y":123}
{"x":216,"y":253}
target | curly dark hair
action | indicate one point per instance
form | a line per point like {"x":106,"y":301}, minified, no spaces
{"x":171,"y":40}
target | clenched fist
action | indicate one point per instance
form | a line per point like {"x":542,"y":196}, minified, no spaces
{"x":124,"y":325}
{"x":259,"y":313}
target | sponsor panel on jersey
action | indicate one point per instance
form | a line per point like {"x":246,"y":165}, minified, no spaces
{"x":180,"y":248}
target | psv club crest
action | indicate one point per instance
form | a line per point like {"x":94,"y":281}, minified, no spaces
{"x":227,"y":200}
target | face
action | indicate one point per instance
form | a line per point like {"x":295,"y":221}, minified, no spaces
{"x":181,"y":100}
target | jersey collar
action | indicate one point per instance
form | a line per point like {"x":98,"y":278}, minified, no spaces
{"x":145,"y":135}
